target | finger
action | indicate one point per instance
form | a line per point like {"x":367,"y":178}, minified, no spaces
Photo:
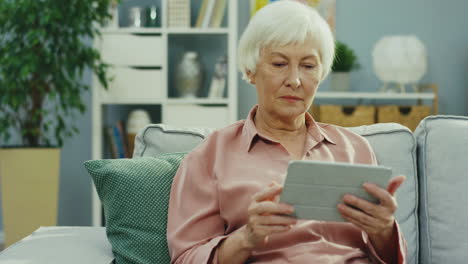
{"x":385,"y":198}
{"x":276,"y":220}
{"x":268,"y":193}
{"x":357,"y":215}
{"x":362,"y":226}
{"x":368,"y":207}
{"x":266,"y":230}
{"x":273,"y":183}
{"x":395,"y":183}
{"x":268,"y":207}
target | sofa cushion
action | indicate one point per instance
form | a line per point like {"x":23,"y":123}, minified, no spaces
{"x":58,"y":245}
{"x":395,"y":147}
{"x":443,"y":176}
{"x":135,"y":197}
{"x":158,"y":139}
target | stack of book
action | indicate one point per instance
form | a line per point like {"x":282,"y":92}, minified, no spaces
{"x":211,"y":13}
{"x":117,"y":140}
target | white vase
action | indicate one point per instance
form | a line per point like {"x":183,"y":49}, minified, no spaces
{"x":189,"y":75}
{"x":339,"y":81}
{"x":137,"y":120}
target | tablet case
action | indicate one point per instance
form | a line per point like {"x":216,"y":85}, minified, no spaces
{"x":315,"y":188}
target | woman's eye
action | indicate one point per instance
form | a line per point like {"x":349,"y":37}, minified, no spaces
{"x":279,"y":64}
{"x":309,"y":66}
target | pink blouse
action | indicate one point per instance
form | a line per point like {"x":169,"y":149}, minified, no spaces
{"x":216,"y":181}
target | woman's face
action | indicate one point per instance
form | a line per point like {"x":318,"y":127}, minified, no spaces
{"x":287,"y":78}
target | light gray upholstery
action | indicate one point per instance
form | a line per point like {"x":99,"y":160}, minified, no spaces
{"x":157,"y":139}
{"x":443,"y":166}
{"x":395,"y":147}
{"x":440,"y":191}
{"x":393,"y":144}
{"x":71,"y":245}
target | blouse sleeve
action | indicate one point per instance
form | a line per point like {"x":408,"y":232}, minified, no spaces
{"x":195,"y":227}
{"x":401,"y":247}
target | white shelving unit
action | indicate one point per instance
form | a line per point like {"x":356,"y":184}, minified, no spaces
{"x":141,"y":65}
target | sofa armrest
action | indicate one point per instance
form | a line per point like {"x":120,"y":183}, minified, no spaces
{"x":54,"y":245}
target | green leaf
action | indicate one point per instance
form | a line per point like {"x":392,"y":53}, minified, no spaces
{"x":43,"y":54}
{"x":345,"y":59}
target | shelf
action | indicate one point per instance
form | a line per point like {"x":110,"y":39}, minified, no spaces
{"x":376,"y":95}
{"x":207,"y":101}
{"x":142,"y":30}
{"x":142,"y":101}
{"x":197,"y":31}
{"x":132,"y":30}
{"x":152,"y":86}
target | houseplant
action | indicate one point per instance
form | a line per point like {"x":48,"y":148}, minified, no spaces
{"x":43,"y":55}
{"x":345,"y":61}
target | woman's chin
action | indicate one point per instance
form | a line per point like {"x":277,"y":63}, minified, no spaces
{"x":291,"y":111}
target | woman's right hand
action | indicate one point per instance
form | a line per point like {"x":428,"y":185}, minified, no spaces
{"x":267,"y":216}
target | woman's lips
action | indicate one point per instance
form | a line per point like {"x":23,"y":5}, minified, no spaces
{"x":291,"y":99}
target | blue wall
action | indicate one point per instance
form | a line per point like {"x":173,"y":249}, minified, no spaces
{"x":441,"y":25}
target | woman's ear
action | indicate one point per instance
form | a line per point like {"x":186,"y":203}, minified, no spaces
{"x":251,"y":77}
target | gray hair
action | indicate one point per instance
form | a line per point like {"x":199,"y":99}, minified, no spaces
{"x":282,"y":23}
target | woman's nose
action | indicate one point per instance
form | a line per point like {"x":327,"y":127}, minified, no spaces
{"x":293,"y":79}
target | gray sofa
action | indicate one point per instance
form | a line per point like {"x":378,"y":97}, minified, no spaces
{"x":433,"y":202}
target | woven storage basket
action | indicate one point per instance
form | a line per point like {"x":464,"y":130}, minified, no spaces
{"x":347,"y":116}
{"x":409,"y":116}
{"x":314,"y":110}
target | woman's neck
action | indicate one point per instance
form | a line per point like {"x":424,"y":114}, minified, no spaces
{"x":279,"y":128}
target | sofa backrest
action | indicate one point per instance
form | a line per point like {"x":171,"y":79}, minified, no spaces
{"x":443,"y":165}
{"x":394,"y":146}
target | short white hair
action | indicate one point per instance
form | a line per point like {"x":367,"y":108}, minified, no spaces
{"x":282,"y":23}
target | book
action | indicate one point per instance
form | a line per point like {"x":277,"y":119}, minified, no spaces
{"x":123,"y":138}
{"x":118,"y":142}
{"x":110,"y":140}
{"x":208,"y":14}
{"x":217,"y":87}
{"x":201,"y":13}
{"x":218,"y":13}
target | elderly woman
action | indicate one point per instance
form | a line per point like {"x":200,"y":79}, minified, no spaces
{"x":224,"y":200}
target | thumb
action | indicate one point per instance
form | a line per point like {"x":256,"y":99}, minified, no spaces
{"x":395,"y":183}
{"x":273,"y":183}
{"x":274,"y":198}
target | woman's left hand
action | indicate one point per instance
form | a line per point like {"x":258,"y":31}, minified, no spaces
{"x":377,"y":220}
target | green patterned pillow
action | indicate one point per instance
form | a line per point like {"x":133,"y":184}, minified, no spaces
{"x":135,"y":197}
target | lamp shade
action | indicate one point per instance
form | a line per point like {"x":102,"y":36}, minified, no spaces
{"x":400,"y":59}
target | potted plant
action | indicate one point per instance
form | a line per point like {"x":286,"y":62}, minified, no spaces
{"x":345,"y":61}
{"x":43,"y":55}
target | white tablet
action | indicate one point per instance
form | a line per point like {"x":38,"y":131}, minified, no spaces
{"x":315,"y":188}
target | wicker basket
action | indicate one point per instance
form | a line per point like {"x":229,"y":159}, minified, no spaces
{"x":314,"y":110}
{"x":409,"y":116}
{"x":347,"y":116}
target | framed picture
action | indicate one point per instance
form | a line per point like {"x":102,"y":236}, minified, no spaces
{"x":326,"y":8}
